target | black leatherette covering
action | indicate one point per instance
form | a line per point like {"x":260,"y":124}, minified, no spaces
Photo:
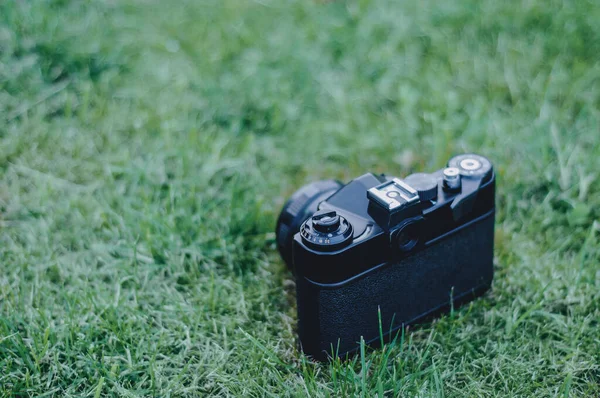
{"x":337,"y":315}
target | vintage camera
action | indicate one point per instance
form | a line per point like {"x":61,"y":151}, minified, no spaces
{"x":380,"y":253}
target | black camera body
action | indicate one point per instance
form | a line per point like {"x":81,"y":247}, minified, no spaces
{"x":380,"y":253}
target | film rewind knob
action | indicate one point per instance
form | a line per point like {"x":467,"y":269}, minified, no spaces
{"x":326,"y":222}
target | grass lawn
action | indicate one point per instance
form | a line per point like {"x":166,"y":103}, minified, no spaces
{"x":146,"y":148}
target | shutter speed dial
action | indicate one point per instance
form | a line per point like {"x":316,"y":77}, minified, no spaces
{"x":474,"y":171}
{"x":471,"y":165}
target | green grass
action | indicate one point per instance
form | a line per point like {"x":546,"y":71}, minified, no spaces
{"x":146,"y":148}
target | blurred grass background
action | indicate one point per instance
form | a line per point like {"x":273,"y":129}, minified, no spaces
{"x":147,"y":146}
